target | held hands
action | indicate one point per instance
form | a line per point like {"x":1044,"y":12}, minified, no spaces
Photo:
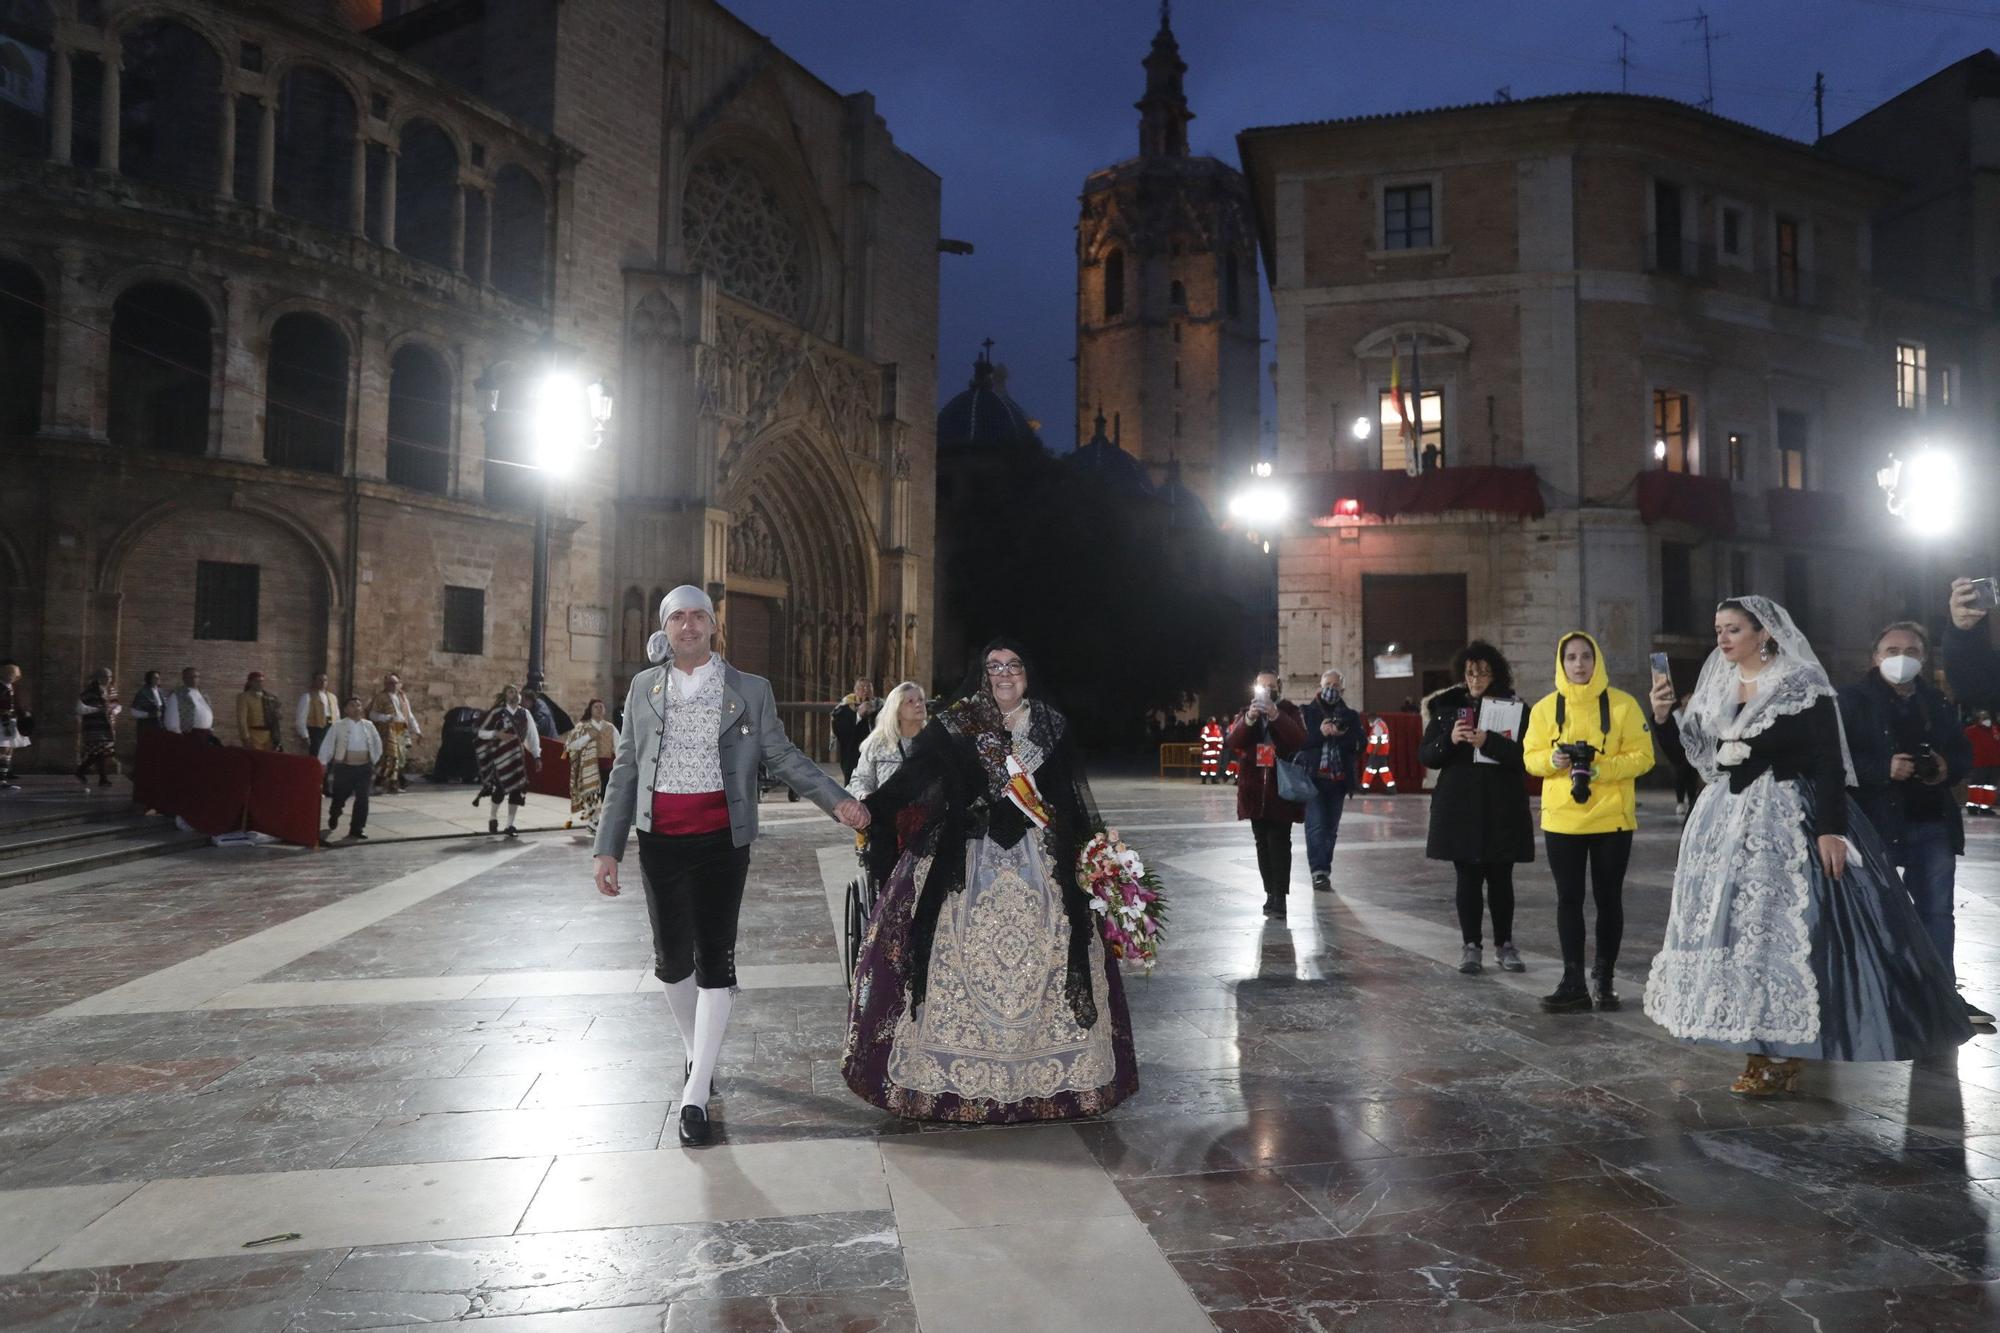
{"x":852,"y":813}
{"x":607,"y":875}
{"x":1902,"y":767}
{"x":1327,"y":728}
{"x":1662,"y":699}
{"x":1966,"y":613}
{"x":1833,"y":854}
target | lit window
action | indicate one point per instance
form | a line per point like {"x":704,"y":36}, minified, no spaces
{"x":1406,"y":218}
{"x":1911,"y":380}
{"x":1793,"y":431}
{"x":1395,"y":456}
{"x":1946,"y":395}
{"x":1670,"y":431}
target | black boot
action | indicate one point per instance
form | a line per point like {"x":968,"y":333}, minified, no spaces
{"x":1607,"y":994}
{"x":1570,"y":995}
{"x":1274,"y":905}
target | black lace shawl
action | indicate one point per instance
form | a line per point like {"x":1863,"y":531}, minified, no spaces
{"x":950,"y":791}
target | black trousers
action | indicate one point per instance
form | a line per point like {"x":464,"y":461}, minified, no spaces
{"x":354,"y":780}
{"x":1274,"y":854}
{"x":314,"y":735}
{"x":1601,"y":858}
{"x":1492,"y":882}
{"x":694,"y":894}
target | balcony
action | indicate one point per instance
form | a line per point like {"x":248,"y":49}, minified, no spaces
{"x":1707,"y":503}
{"x":1335,"y":497}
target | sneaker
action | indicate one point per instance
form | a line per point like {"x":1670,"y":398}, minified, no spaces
{"x":1322,"y":881}
{"x":1509,"y":958}
{"x":1468,"y":960}
{"x":1975,"y":1015}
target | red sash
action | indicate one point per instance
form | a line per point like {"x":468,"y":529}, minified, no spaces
{"x":684,"y":813}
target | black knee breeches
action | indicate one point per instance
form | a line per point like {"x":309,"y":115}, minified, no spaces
{"x":694,"y":893}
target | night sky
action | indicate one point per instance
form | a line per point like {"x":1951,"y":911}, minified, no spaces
{"x":1014,"y":102}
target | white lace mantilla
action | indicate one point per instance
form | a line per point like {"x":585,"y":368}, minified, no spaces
{"x":1736,"y":965}
{"x":691,"y":738}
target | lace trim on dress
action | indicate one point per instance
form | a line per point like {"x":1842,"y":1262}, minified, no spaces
{"x":1736,"y":965}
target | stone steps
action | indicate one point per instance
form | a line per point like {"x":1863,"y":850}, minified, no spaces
{"x":87,"y":844}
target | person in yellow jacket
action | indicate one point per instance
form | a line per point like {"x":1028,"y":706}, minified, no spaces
{"x":1588,"y":815}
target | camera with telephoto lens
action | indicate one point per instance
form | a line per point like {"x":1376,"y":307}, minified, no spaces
{"x":1580,"y":754}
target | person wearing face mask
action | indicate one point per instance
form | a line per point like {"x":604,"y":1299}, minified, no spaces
{"x":1332,"y":754}
{"x":1909,"y":752}
{"x":1268,"y":732}
{"x":1589,"y":743}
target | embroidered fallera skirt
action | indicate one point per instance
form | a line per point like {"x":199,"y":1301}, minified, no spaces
{"x":1766,"y":953}
{"x":995,"y":1040}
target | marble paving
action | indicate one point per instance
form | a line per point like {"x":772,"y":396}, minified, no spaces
{"x":429,"y":1080}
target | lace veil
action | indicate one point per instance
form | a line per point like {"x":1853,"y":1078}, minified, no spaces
{"x":1791,"y":682}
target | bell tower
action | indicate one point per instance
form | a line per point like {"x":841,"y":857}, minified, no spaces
{"x":1167,"y":296}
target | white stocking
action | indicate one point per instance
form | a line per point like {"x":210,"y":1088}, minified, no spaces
{"x":511,"y":809}
{"x":680,"y":999}
{"x":711,"y":1017}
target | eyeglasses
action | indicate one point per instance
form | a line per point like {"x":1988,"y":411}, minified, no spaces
{"x":1013,"y":668}
{"x":1478,"y":672}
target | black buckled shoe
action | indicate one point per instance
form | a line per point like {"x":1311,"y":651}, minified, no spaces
{"x":694,"y":1127}
{"x":1570,"y":995}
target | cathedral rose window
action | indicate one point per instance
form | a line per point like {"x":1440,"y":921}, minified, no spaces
{"x":737,"y":229}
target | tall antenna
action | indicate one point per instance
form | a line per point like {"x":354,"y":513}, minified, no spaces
{"x":1819,"y":106}
{"x":1708,"y":38}
{"x":1624,"y":59}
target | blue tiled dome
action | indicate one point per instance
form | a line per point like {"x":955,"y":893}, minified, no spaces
{"x":984,"y":417}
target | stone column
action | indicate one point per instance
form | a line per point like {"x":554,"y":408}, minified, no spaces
{"x":458,"y":228}
{"x":242,"y":375}
{"x":60,"y":110}
{"x":225,"y":184}
{"x":357,"y":217}
{"x":485,"y":241}
{"x":389,"y":161}
{"x":267,"y":152}
{"x":108,"y":109}
{"x":81,"y":354}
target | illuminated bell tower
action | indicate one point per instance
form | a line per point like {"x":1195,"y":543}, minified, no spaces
{"x":1167,"y":296}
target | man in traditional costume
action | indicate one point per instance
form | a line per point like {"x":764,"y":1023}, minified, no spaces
{"x":318,"y":710}
{"x":350,"y":749}
{"x":188,"y":711}
{"x":509,"y":747}
{"x":695,"y":732}
{"x":97,"y":707}
{"x":590,"y":746}
{"x":257,"y":713}
{"x":393,"y":714}
{"x":13,"y":719}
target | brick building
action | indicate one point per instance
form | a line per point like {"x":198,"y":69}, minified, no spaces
{"x":275,"y":279}
{"x":1654,"y":366}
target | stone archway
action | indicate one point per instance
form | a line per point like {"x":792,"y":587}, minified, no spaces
{"x":185,"y":588}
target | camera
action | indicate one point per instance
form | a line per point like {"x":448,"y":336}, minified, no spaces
{"x":1580,"y":754}
{"x":1929,"y":764}
{"x":1985,"y":594}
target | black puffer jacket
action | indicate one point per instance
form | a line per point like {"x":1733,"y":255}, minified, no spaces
{"x":1479,"y":812}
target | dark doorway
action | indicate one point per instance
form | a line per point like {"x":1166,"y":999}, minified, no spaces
{"x":753,"y":624}
{"x":1423,"y":615}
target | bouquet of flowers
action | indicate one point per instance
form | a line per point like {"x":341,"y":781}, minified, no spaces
{"x":1126,"y":896}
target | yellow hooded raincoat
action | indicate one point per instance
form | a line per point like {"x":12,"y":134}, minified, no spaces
{"x":1623,"y":756}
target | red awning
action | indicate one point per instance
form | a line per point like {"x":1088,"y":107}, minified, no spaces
{"x":1799,"y":518}
{"x":1386,"y":494}
{"x":1679,"y":497}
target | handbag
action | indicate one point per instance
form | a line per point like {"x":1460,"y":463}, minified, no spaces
{"x":1295,"y":781}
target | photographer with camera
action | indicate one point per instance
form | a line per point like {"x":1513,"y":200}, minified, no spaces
{"x":1908,"y":753}
{"x":1270,"y":731}
{"x":1588,"y":742}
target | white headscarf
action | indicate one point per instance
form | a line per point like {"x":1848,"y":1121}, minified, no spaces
{"x":1792,"y":681}
{"x":687,"y":597}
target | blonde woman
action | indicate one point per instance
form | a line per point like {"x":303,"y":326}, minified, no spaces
{"x":897,"y":723}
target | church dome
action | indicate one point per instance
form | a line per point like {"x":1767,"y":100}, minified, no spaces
{"x":984,"y":417}
{"x":1108,"y":461}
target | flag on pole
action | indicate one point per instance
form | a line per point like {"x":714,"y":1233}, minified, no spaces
{"x":1405,"y":433}
{"x":1413,"y":461}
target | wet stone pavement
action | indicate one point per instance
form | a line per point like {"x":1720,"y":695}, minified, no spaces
{"x":443,"y":1064}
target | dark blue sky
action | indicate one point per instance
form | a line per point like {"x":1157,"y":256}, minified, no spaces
{"x":1013,"y":102}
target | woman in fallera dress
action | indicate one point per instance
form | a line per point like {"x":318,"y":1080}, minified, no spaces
{"x":1790,"y":936}
{"x":983,"y":992}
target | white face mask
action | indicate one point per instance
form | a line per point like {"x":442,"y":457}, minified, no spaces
{"x":1900,"y":670}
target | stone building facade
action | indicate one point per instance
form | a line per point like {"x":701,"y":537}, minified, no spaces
{"x":1655,"y":367}
{"x":277,"y":279}
{"x":1168,"y":298}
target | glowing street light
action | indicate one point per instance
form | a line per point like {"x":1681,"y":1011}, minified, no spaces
{"x":1362,"y":428}
{"x":1925,"y":490}
{"x":1260,"y":507}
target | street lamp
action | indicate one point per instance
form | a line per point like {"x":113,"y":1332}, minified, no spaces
{"x":1363,"y":428}
{"x":564,"y":418}
{"x":1925,"y":490}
